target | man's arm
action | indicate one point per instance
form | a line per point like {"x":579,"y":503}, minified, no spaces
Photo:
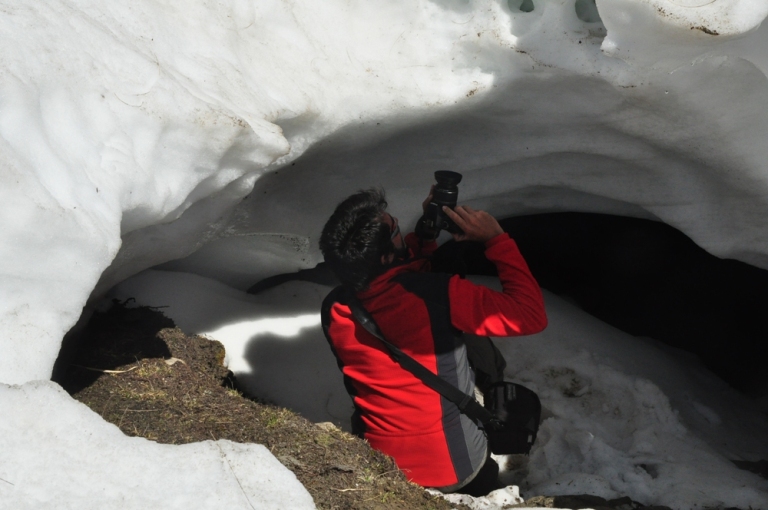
{"x":519,"y":308}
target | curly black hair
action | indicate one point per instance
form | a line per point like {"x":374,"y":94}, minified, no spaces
{"x":355,"y":238}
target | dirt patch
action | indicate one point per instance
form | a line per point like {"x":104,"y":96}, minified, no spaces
{"x":138,"y":371}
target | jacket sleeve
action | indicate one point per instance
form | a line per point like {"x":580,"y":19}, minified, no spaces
{"x":517,"y":310}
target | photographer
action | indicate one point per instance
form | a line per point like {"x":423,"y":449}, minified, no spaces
{"x":424,"y":314}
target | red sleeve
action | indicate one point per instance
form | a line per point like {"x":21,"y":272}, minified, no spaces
{"x":517,"y":310}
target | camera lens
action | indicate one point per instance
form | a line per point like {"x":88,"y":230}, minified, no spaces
{"x":445,"y":193}
{"x":446,"y":190}
{"x":447,"y":178}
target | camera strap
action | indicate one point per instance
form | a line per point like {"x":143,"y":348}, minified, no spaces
{"x":466,"y":403}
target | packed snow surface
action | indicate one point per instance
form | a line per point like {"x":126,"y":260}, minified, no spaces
{"x":131,"y":134}
{"x":622,"y":415}
{"x":58,"y":454}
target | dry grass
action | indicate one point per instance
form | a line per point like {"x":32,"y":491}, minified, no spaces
{"x":151,"y":380}
{"x":140,"y":372}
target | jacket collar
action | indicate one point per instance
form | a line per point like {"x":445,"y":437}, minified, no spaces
{"x":382,"y":282}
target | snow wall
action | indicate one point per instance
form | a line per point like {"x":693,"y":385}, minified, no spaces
{"x":133,"y":134}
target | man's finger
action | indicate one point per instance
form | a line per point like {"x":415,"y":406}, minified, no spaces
{"x":460,"y":211}
{"x":460,"y":216}
{"x":451,"y":213}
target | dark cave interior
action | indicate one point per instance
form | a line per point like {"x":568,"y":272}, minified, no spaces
{"x":647,"y":279}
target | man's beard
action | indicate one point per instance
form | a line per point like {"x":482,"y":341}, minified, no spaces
{"x":401,"y":253}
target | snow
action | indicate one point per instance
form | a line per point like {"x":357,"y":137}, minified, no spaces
{"x":496,"y":499}
{"x":631,"y":417}
{"x":623,"y":415}
{"x":215,"y":138}
{"x":71,"y":458}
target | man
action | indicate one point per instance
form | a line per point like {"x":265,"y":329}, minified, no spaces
{"x":424,"y":314}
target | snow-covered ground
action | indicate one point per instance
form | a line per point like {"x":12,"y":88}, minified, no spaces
{"x":623,"y":415}
{"x":68,"y":457}
{"x":131,"y":134}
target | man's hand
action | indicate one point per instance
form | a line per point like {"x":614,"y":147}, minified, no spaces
{"x":477,"y":225}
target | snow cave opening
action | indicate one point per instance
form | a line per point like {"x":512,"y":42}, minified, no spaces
{"x":641,"y":276}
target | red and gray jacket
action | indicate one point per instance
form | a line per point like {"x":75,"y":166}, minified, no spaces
{"x":424,"y":314}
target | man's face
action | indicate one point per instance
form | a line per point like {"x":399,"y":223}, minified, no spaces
{"x":397,"y":237}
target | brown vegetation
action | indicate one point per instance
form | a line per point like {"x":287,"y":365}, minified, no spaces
{"x":139,"y":372}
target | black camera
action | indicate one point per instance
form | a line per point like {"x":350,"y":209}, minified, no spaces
{"x":446,"y":193}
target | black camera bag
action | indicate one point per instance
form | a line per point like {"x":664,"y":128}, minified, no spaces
{"x":516,"y":412}
{"x":511,"y":412}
